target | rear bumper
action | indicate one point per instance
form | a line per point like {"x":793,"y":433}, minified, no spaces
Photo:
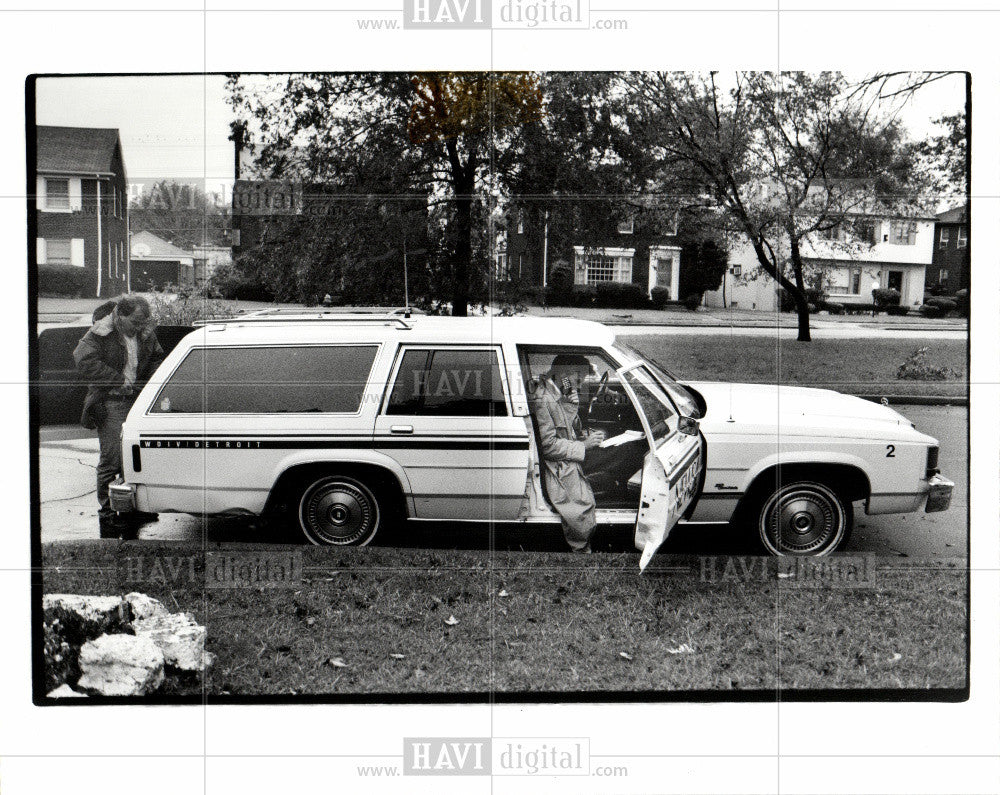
{"x":939,"y":494}
{"x":122,"y":496}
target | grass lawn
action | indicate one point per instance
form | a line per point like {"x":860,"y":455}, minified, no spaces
{"x":854,"y":366}
{"x":383,"y":620}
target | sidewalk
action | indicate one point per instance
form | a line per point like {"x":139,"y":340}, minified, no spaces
{"x":78,"y":310}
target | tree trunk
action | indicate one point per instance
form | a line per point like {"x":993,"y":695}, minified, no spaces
{"x":795,"y":289}
{"x":463,"y":255}
{"x":801,"y":302}
{"x":463,"y":178}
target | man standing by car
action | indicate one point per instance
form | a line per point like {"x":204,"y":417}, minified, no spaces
{"x":116,"y":356}
{"x":555,"y":404}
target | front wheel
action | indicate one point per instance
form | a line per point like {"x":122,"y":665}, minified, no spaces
{"x":335,"y":510}
{"x":805,"y":519}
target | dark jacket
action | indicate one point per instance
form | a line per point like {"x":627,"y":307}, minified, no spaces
{"x":100,"y":359}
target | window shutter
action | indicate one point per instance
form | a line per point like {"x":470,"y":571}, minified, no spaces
{"x":75,"y":194}
{"x":40,"y":198}
{"x":76,"y":251}
{"x":40,"y":250}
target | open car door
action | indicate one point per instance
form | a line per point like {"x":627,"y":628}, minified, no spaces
{"x":672,"y":472}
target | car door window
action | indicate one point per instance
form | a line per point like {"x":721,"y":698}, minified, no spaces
{"x":457,"y":382}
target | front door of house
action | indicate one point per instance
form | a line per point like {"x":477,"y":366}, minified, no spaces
{"x":896,"y":281}
{"x":664,"y":264}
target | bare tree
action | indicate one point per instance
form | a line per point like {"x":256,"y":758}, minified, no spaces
{"x":783,"y":156}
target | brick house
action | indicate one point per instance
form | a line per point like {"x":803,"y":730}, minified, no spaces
{"x":631,"y":250}
{"x":949,"y":269}
{"x":81,"y":206}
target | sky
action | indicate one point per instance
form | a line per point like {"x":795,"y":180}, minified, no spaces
{"x":173,"y":128}
{"x":177,"y":127}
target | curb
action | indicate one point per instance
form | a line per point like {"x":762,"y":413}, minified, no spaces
{"x":917,"y":400}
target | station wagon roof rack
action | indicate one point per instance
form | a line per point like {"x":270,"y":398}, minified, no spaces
{"x":307,"y":316}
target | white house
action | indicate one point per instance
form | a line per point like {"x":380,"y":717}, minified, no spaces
{"x":849,"y":263}
{"x":884,"y":253}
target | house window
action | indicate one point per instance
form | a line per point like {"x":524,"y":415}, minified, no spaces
{"x":502,"y":266}
{"x":604,"y":265}
{"x":58,"y":252}
{"x":855,"y":285}
{"x":867,"y":233}
{"x":944,"y":237}
{"x":737,"y":270}
{"x":903,"y":233}
{"x":56,"y":194}
{"x":626,"y":227}
{"x":835,"y":232}
{"x":520,"y":223}
{"x":942,"y":275}
{"x":963,"y":237}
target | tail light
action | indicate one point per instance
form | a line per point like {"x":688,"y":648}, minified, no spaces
{"x":932,"y":462}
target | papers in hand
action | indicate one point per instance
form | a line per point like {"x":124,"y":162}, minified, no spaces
{"x":622,"y":438}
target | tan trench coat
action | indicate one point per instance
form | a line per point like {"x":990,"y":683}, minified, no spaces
{"x":562,"y":453}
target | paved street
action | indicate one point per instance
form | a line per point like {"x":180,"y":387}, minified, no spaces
{"x":68,"y":457}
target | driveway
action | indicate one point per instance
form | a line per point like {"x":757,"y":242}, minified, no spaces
{"x":68,"y":456}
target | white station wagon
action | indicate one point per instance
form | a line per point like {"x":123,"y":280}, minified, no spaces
{"x":350,"y":422}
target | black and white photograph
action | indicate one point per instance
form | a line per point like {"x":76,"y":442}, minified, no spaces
{"x":506,"y":422}
{"x":356,"y":408}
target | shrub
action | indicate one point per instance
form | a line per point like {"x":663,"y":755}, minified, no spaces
{"x":895,"y":309}
{"x":915,"y":368}
{"x":584,"y":295}
{"x":929,"y":310}
{"x":814,"y":296}
{"x":962,"y":299}
{"x":67,"y":280}
{"x":884,"y":297}
{"x":692,"y":301}
{"x":188,"y":306}
{"x":659,"y":297}
{"x":834,"y":308}
{"x":946,"y":305}
{"x":859,"y":309}
{"x":228,"y":281}
{"x":616,"y":295}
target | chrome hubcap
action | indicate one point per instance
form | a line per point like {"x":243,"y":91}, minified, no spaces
{"x":802,"y":520}
{"x":338,"y":512}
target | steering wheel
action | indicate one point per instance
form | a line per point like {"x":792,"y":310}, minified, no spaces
{"x":601,"y":388}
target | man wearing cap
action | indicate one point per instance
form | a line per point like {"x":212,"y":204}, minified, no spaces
{"x":116,"y":357}
{"x":555,"y":404}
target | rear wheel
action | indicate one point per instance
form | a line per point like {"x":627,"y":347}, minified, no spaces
{"x":804,"y":518}
{"x":336,"y":510}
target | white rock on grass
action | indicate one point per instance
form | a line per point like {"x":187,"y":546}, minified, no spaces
{"x":65,"y":691}
{"x":143,"y":606}
{"x":102,"y":609}
{"x":121,"y":665}
{"x":179,"y":637}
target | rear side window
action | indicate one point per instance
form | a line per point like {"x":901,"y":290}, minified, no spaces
{"x":448,"y":383}
{"x":268,"y":380}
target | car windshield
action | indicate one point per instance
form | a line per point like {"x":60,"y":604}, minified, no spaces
{"x":685,"y":401}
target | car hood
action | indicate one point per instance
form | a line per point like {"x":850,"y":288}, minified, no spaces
{"x":796,"y":407}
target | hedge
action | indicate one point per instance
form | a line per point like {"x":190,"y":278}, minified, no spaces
{"x":66,"y":280}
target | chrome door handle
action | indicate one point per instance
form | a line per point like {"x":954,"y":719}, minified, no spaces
{"x":400,"y":429}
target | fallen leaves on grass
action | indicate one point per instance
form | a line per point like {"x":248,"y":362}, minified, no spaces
{"x":503,"y":593}
{"x":684,"y":648}
{"x":337,"y":662}
{"x":398,"y":656}
{"x":451,"y":621}
{"x":625,"y":655}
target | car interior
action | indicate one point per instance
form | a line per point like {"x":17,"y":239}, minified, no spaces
{"x":605,"y":406}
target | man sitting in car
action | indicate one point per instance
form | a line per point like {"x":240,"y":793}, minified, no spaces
{"x":555,"y":403}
